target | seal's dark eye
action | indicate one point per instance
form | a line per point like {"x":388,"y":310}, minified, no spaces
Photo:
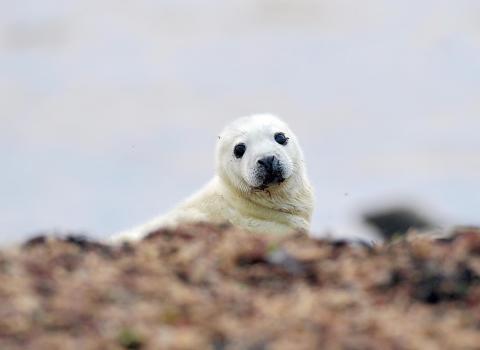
{"x":281,"y":138}
{"x":239,"y":150}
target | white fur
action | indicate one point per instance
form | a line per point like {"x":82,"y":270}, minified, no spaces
{"x":234,"y":195}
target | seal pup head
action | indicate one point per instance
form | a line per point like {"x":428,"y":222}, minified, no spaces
{"x":258,"y":153}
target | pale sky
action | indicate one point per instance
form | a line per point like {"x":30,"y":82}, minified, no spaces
{"x":109,"y":110}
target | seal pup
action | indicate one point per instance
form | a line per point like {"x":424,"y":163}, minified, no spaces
{"x":260,"y":185}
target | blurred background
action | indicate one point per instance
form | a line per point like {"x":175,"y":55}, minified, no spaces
{"x":109,"y":110}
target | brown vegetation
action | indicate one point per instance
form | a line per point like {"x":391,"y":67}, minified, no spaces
{"x":204,"y":287}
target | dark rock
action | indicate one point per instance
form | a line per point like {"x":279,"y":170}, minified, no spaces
{"x":396,"y":221}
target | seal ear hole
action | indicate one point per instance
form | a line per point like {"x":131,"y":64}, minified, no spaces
{"x":239,"y":150}
{"x":281,"y":139}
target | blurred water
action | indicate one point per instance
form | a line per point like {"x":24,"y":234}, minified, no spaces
{"x":109,"y":110}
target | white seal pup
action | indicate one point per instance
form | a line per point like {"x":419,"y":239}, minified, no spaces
{"x":261,"y":183}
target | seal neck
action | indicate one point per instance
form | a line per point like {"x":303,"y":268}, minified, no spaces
{"x":293,"y":197}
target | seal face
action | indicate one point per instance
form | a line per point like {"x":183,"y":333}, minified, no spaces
{"x":257,"y":152}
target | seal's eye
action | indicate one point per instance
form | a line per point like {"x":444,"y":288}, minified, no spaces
{"x":239,"y":150}
{"x":281,"y":138}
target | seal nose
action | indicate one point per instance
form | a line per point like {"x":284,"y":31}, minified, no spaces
{"x":267,"y":163}
{"x":273,"y":170}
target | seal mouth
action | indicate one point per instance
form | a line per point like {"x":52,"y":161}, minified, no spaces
{"x":270,"y":182}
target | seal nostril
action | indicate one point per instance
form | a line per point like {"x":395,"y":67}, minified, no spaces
{"x":267,"y":162}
